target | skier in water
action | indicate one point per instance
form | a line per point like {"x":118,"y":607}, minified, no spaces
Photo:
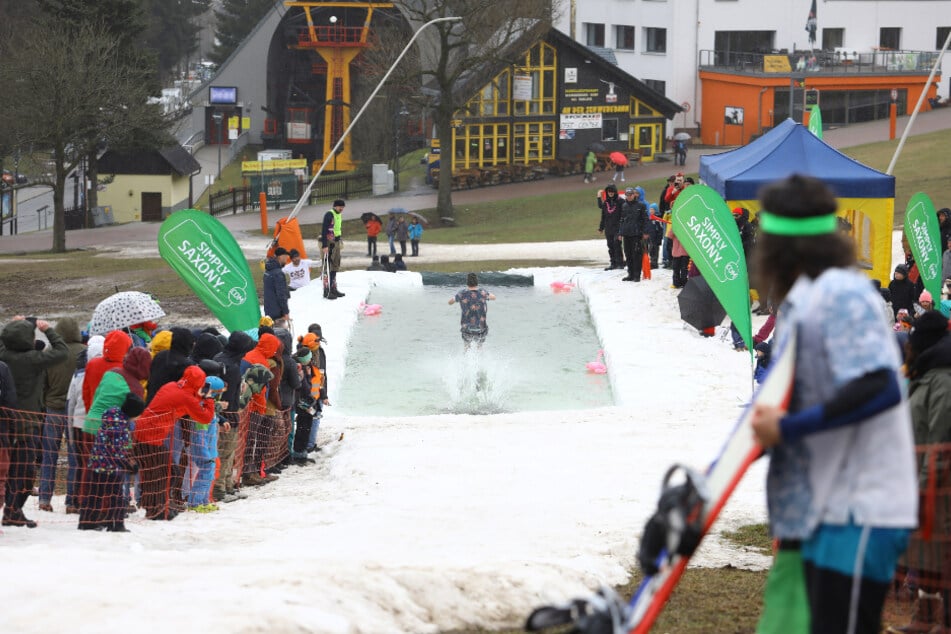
{"x":472,"y":300}
{"x":841,"y":488}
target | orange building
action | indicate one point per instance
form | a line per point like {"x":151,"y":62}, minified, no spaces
{"x":745,"y":94}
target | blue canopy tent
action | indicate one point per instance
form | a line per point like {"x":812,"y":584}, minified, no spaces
{"x":866,"y":196}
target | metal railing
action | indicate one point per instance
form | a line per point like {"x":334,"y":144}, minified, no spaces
{"x":821,"y":62}
{"x":243,"y":199}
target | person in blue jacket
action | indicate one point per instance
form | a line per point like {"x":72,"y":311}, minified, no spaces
{"x":415,"y":233}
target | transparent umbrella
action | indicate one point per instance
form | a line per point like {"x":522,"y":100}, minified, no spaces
{"x":681,"y":136}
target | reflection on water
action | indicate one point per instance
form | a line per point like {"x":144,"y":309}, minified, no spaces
{"x":410,"y":359}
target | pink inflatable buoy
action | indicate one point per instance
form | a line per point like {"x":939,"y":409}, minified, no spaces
{"x":562,"y":287}
{"x":597,"y":367}
{"x":370,"y":309}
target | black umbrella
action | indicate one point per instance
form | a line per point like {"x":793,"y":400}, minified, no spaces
{"x":367,"y":215}
{"x":699,"y":307}
{"x":597,"y":147}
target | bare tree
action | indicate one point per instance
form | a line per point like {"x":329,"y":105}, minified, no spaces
{"x":451,"y":54}
{"x":70,"y":94}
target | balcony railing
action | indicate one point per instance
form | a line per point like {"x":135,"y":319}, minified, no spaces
{"x":881,"y":62}
{"x":342,"y":36}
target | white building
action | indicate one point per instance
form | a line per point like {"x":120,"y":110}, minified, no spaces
{"x":666,"y":43}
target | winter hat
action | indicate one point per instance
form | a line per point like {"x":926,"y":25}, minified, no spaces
{"x":266,"y":321}
{"x":280,"y":251}
{"x":930,"y":327}
{"x":94,"y":346}
{"x":901,"y":268}
{"x":302,"y":355}
{"x":310,"y":341}
{"x":340,"y":203}
{"x":161,"y":341}
{"x":737,"y":211}
{"x":925,"y":297}
{"x":630,"y":190}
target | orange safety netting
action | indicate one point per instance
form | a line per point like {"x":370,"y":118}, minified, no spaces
{"x":47,"y":464}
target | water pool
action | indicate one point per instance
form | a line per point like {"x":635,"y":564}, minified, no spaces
{"x":410,"y":361}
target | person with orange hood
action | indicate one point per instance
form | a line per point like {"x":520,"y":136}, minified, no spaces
{"x":263,"y":354}
{"x":186,"y":397}
{"x":257,"y":440}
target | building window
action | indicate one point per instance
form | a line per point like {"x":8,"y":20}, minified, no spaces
{"x":533,"y":142}
{"x":539,"y":63}
{"x":625,"y":37}
{"x":890,"y":38}
{"x":493,"y":99}
{"x":657,"y":85}
{"x":594,"y":34}
{"x":655,"y":40}
{"x":942,"y":35}
{"x":833,"y":39}
{"x":609,"y":130}
{"x":480,"y":145}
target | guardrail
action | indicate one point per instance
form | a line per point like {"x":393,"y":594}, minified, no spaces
{"x":820,"y":62}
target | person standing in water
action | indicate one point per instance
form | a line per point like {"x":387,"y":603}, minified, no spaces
{"x":472,"y":300}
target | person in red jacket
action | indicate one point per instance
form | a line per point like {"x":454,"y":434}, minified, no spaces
{"x":186,"y":397}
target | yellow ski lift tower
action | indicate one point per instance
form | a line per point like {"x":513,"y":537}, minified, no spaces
{"x":338,"y":45}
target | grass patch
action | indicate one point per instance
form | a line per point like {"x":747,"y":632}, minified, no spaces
{"x":751,"y":537}
{"x":722,"y":600}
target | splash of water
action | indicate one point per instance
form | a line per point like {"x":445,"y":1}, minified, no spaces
{"x":476,"y":382}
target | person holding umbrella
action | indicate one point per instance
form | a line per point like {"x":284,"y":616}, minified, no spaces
{"x":680,"y":148}
{"x":620,"y":162}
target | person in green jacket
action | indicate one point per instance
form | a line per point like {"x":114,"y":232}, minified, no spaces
{"x":590,"y":160}
{"x":18,"y":349}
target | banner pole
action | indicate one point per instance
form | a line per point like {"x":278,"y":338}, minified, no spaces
{"x":921,"y":98}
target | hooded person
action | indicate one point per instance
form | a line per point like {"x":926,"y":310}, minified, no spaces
{"x":929,"y":400}
{"x":610,"y":205}
{"x":169,"y":365}
{"x":27,"y":365}
{"x":76,"y":412}
{"x":110,"y":460}
{"x":116,"y":384}
{"x":114,"y":349}
{"x":207,"y":346}
{"x":230,"y":358}
{"x":162,"y":340}
{"x":172,"y":401}
{"x":263,"y":355}
{"x":902,"y":291}
{"x":56,"y":424}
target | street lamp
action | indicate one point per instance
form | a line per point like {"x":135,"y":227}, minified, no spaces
{"x":401,"y":114}
{"x":218,"y":117}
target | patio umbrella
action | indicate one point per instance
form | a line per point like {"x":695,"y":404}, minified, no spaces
{"x":699,"y":307}
{"x":367,"y":215}
{"x":681,"y":136}
{"x":597,"y":147}
{"x":400,"y":210}
{"x":123,"y":310}
{"x":618,"y":158}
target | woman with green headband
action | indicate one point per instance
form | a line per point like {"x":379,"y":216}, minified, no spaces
{"x":841,"y":487}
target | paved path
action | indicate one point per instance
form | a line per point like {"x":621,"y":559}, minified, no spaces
{"x":246,"y":226}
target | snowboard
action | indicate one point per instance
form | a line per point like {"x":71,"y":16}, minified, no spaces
{"x":686,"y":512}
